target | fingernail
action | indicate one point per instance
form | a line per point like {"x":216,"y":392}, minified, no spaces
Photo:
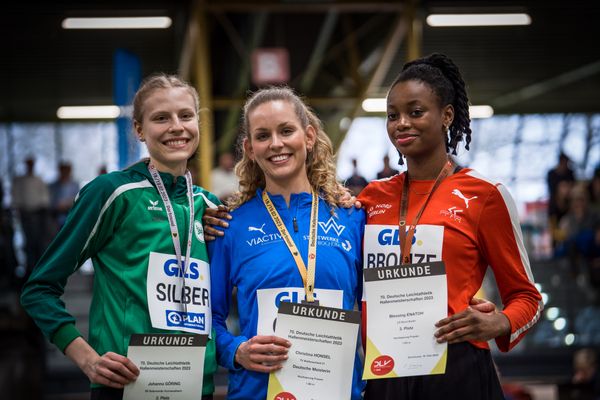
{"x":226,"y":224}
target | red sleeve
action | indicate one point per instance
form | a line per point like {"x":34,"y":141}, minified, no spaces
{"x":499,"y":233}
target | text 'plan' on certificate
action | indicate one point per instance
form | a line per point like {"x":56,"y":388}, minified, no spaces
{"x":403,"y":305}
{"x":321,"y":358}
{"x":171,"y":366}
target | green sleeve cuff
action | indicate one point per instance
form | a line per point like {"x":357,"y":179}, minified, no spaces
{"x":65,"y":335}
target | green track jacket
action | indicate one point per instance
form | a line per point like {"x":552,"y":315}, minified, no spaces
{"x":117,"y":220}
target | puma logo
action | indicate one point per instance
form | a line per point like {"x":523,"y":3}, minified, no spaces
{"x":458,"y":193}
{"x":251,"y":229}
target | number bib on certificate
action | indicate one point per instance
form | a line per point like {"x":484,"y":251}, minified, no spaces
{"x":269,"y":301}
{"x":166,"y":299}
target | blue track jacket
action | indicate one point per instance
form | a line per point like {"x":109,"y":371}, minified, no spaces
{"x":253,"y":258}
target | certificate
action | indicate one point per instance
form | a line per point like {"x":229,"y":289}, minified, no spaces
{"x":171,"y":366}
{"x":403,"y":305}
{"x":321,"y":358}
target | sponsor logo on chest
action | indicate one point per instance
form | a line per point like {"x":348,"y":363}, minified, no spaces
{"x":261,"y":234}
{"x":378,"y":209}
{"x":154,"y":206}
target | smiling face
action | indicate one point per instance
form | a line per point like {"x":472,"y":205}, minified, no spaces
{"x":169,"y":127}
{"x":415,"y":120}
{"x":278,"y":143}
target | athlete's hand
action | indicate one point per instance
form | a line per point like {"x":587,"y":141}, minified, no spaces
{"x":472,"y":324}
{"x":263,"y":353}
{"x":482,"y":305}
{"x":111,"y":369}
{"x":215,"y":217}
{"x":347,"y":200}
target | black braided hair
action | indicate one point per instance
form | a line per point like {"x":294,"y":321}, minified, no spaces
{"x":442,"y":75}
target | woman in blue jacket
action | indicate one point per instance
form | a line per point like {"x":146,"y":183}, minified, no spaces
{"x":287,"y":159}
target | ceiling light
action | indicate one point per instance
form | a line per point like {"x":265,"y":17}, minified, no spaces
{"x":438,"y":20}
{"x":480,"y":111}
{"x":375,"y":105}
{"x":88,"y":112}
{"x":552,"y":313}
{"x":117,"y":23}
{"x":379,"y":105}
{"x":559,"y":324}
{"x":569,"y":339}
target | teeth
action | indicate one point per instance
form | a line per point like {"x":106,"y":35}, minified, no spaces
{"x":280,"y":158}
{"x":175,"y":142}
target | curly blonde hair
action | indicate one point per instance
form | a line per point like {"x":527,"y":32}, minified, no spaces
{"x":320,"y":163}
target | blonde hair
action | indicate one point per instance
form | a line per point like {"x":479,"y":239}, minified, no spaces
{"x":320,"y":163}
{"x":160,"y":81}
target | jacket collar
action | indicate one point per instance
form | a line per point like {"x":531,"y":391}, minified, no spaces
{"x":174,"y":185}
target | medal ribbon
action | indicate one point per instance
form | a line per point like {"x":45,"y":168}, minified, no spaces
{"x":307,"y":273}
{"x":173,"y":222}
{"x":407,"y":237}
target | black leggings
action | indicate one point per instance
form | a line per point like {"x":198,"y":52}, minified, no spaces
{"x":470,"y":375}
{"x":106,"y":393}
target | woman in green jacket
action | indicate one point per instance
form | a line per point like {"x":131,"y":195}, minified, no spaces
{"x":123,"y":221}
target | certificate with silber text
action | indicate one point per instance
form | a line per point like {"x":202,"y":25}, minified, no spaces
{"x":171,"y":366}
{"x":321,"y":358}
{"x":403,"y":305}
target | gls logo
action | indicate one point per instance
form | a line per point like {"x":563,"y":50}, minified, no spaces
{"x":288,"y":297}
{"x":389,"y":237}
{"x":172,"y":269}
{"x":189,"y":320}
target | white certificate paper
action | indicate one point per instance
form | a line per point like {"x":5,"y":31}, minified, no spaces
{"x":403,"y":305}
{"x":171,"y":366}
{"x":321,"y":358}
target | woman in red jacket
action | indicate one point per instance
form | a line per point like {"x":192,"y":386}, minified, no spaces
{"x":456,"y":216}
